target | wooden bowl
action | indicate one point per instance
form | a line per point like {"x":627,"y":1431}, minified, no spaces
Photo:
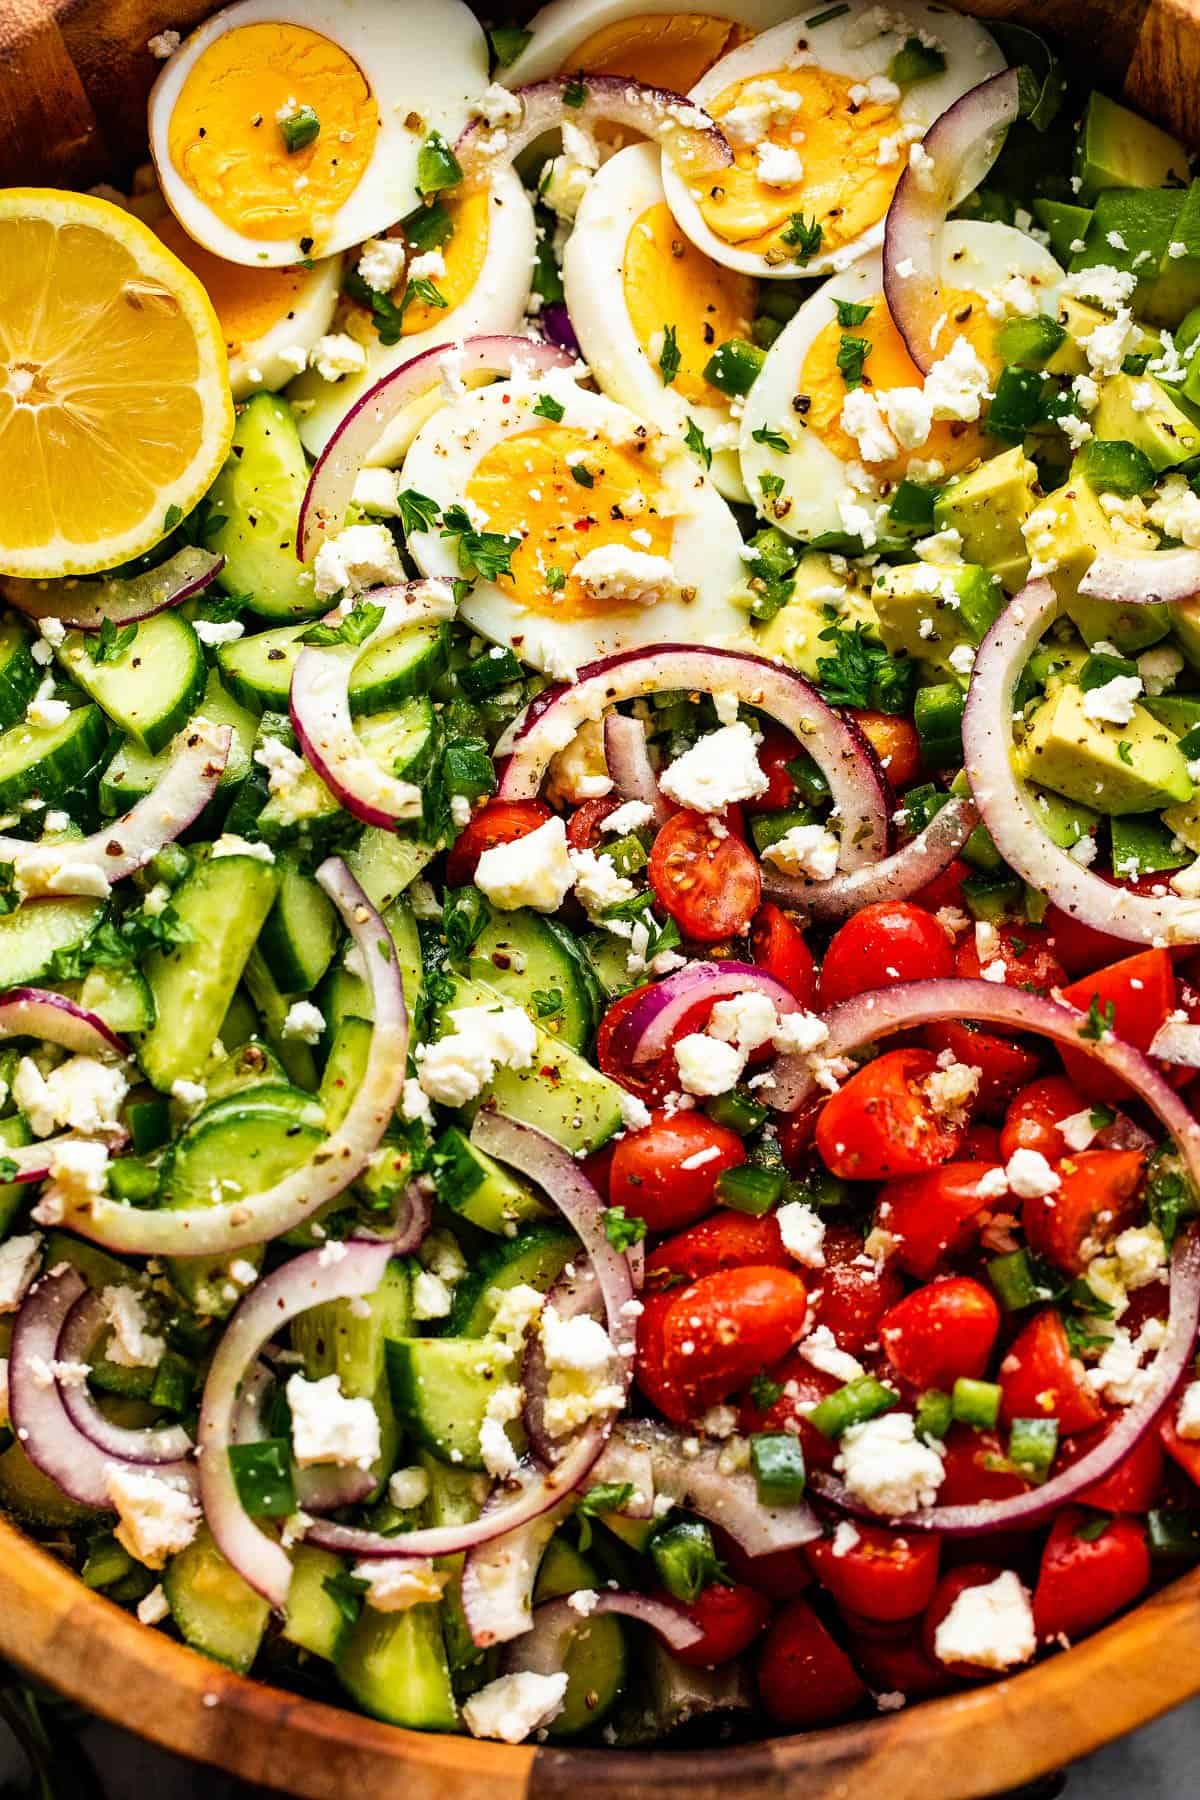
{"x":74,"y":75}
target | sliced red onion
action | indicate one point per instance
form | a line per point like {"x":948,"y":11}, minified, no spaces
{"x":624,"y":1462}
{"x":543,"y":1649}
{"x":555,"y":321}
{"x":38,"y":1012}
{"x":963,"y":144}
{"x":187,"y":785}
{"x":1143,"y":580}
{"x":628,"y":759}
{"x":85,"y":605}
{"x":33,"y":1161}
{"x":498,"y":1575}
{"x":331,"y":484}
{"x":684,"y":130}
{"x":1123,"y":1134}
{"x":861,"y":796}
{"x":320,"y":709}
{"x":339,"y":1160}
{"x":412,"y":1221}
{"x":728,"y":1500}
{"x":145,"y":1444}
{"x":48,"y":1434}
{"x":646,"y":1030}
{"x":1004,"y":805}
{"x":308,"y":1280}
{"x":896,"y":877}
{"x":1178,"y":1041}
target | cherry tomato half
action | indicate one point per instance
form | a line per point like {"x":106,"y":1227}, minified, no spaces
{"x":727,"y":1240}
{"x":1004,"y":1065}
{"x":1033,"y":1118}
{"x":1097,"y":1197}
{"x":1024,"y":952}
{"x":804,"y":1677}
{"x":583,"y":826}
{"x":1039,"y":1378}
{"x":884,"y":1574}
{"x":941,"y":1332}
{"x":666,"y":1172}
{"x":889,"y":941}
{"x":1141,"y":992}
{"x":855,"y":1291}
{"x":1088,"y":1573}
{"x":881,"y":1123}
{"x":934,"y":1215}
{"x":778,"y":748}
{"x":777,"y":945}
{"x":499,"y":822}
{"x":730,"y":1615}
{"x":721,"y":1330}
{"x":708,"y":880}
{"x":895,"y":742}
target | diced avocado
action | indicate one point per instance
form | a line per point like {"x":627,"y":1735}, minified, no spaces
{"x":927,"y":608}
{"x":1130,"y":229}
{"x":1064,"y":821}
{"x":1066,"y":224}
{"x":1079,"y":319}
{"x":1065,"y":532}
{"x":1185,"y":622}
{"x":1144,"y":846}
{"x":1176,"y":287}
{"x":1180,"y":713}
{"x":1083,"y":760}
{"x":987,"y":507}
{"x":1117,"y":148}
{"x":1184,"y":821}
{"x":795,"y":632}
{"x":257,"y":495}
{"x":1163,"y":433}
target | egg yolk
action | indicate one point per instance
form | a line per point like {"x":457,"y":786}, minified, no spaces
{"x":248,"y":302}
{"x":463,"y":253}
{"x":225,"y":138}
{"x":955,"y":443}
{"x":669,"y":282}
{"x":666,"y":50}
{"x":842,"y":182}
{"x":525,"y":487}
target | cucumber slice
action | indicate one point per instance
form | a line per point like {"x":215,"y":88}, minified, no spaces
{"x":240,"y":1023}
{"x":400,"y":741}
{"x":98,"y":1268}
{"x":537,"y":1256}
{"x":343,"y":1071}
{"x":215,"y":1610}
{"x":521,"y":954}
{"x":152,"y":689}
{"x":335,"y":1340}
{"x":608,"y":959}
{"x":480,"y":1189}
{"x":384,"y":865}
{"x":258,"y":669}
{"x":394,"y":1666}
{"x":14,"y":1134}
{"x":247,"y":1064}
{"x":225,"y":902}
{"x":32,"y":1497}
{"x":454,"y":1499}
{"x":314,"y":1621}
{"x":20,"y":676}
{"x":30,"y":936}
{"x":120,"y":996}
{"x":300,"y":935}
{"x":595,"y":1658}
{"x":134,"y":772}
{"x":273,"y":1007}
{"x":440,"y":1390}
{"x":48,"y":761}
{"x":257,"y":494}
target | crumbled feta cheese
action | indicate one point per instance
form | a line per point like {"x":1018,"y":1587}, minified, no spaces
{"x":377,"y":491}
{"x":78,"y":1175}
{"x":152,"y":1609}
{"x":431,"y":1298}
{"x":497,"y":106}
{"x":212,"y":633}
{"x":748,"y":1020}
{"x":1113,"y":703}
{"x":615,"y":572}
{"x":381,"y":264}
{"x":909,"y":412}
{"x":1030,"y":1176}
{"x":778,"y":165}
{"x":820,"y":1348}
{"x":337,"y":354}
{"x":720,"y":769}
{"x":535,"y":870}
{"x":515,"y":1705}
{"x":328,"y":1427}
{"x":1118,"y":1376}
{"x":579,"y":1358}
{"x":360,"y":557}
{"x":597,"y":883}
{"x":396,"y":1583}
{"x":1077,"y":1129}
{"x":1176,"y":511}
{"x":45,"y":713}
{"x":887,"y":1466}
{"x":811,"y":850}
{"x":962,"y":658}
{"x":482,"y":1039}
{"x":957,"y":384}
{"x":1141,"y":1255}
{"x":862,"y":419}
{"x":132,"y":1345}
{"x":408,"y":1488}
{"x":579,"y":771}
{"x":304,"y":1021}
{"x":707,"y":1066}
{"x":19,"y":1259}
{"x":950,"y":1090}
{"x":189,"y":1093}
{"x":990,"y":1626}
{"x":82,"y":1093}
{"x":628,"y":818}
{"x":800,"y":1033}
{"x":803,"y":1232}
{"x":1105,"y":285}
{"x":1187,"y":1419}
{"x":845,"y":1537}
{"x":164,"y":44}
{"x":1159,"y":667}
{"x":157,"y":1519}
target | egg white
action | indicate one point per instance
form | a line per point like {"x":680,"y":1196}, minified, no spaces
{"x":705,"y":549}
{"x":618,"y":195}
{"x":429,"y":60}
{"x":971,"y":53}
{"x":976,"y":256}
{"x":495,"y":304}
{"x":560,"y":28}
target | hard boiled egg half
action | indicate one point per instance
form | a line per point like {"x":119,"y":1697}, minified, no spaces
{"x":472,"y":256}
{"x":618,"y":538}
{"x":649,"y":308}
{"x":286,"y":129}
{"x":828,"y":431}
{"x":655,"y":41}
{"x":822,"y":118}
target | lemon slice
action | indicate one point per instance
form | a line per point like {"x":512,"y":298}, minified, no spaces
{"x":115,"y":411}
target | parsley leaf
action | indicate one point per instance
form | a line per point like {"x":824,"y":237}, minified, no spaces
{"x":548,"y":407}
{"x":1125,"y":752}
{"x":694,"y":438}
{"x":850,"y":312}
{"x":575,"y":93}
{"x":346,"y":1591}
{"x":487,"y":554}
{"x":172,"y":517}
{"x":422,"y":289}
{"x":669,"y":357}
{"x":582,"y":474}
{"x":386,"y":316}
{"x":852,"y":354}
{"x":774,"y":440}
{"x":112,"y":643}
{"x":764,"y":1392}
{"x":355,"y":628}
{"x":861,"y":673}
{"x":555,"y":578}
{"x":1099,"y":1020}
{"x":8,"y":1169}
{"x":417,"y":511}
{"x":508,"y":41}
{"x":804,"y":236}
{"x":110,"y":945}
{"x":547,"y":1002}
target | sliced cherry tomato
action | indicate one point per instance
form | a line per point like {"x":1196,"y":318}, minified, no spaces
{"x":889,"y":941}
{"x":651,"y":1081}
{"x":1039,"y":1378}
{"x":880,"y":1123}
{"x":900,"y":1666}
{"x":934,"y":1215}
{"x":708,"y":880}
{"x":800,"y":1387}
{"x":728,"y":1240}
{"x":975,"y":1469}
{"x":1004,"y":1065}
{"x":583,"y":826}
{"x":499,"y":822}
{"x":721,"y":1330}
{"x":804,"y":1677}
{"x":1033,"y":1118}
{"x":1079,"y":947}
{"x":780,"y":1574}
{"x":1141,"y":992}
{"x":777,"y":945}
{"x":778,"y":748}
{"x":1023,"y":951}
{"x":981,"y":1143}
{"x":666,"y":1172}
{"x":1097,"y":1197}
{"x":941,"y":1332}
{"x":1087,"y":1575}
{"x":730,"y":1616}
{"x":855,"y":1291}
{"x":1133,"y":1486}
{"x":895,"y":742}
{"x":945,"y":889}
{"x":975,"y":1574}
{"x":882,"y":1575}
{"x":1183,"y":1451}
{"x":648,"y":1369}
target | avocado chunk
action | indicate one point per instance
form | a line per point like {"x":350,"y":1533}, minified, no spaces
{"x":1063,"y":821}
{"x":1064,"y":534}
{"x":1079,"y":318}
{"x":987,"y":507}
{"x":1082,"y":758}
{"x":1130,"y":229}
{"x":928,"y":609}
{"x":1185,"y":622}
{"x":1118,"y":149}
{"x":1066,"y":224}
{"x":257,"y":495}
{"x":1138,"y":410}
{"x":1176,"y":288}
{"x":794,"y":634}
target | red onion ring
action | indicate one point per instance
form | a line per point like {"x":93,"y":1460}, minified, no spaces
{"x":728,"y":1500}
{"x":85,"y":605}
{"x":1004,"y":805}
{"x":40,"y":1013}
{"x":646,"y":1029}
{"x":542,"y":1650}
{"x":964,"y":142}
{"x":555,"y":321}
{"x":1143,"y":580}
{"x":684,"y":130}
{"x":146,"y":1444}
{"x":331,"y":483}
{"x":895,"y":877}
{"x":412,"y":1225}
{"x":629,"y":764}
{"x":498,"y":1575}
{"x":320,"y":707}
{"x":861,"y":795}
{"x":215,"y":1230}
{"x":188,"y":783}
{"x":33,"y":1160}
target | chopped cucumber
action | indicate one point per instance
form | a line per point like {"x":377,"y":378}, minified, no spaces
{"x":537,"y":1257}
{"x":300,"y":934}
{"x":215,"y":1609}
{"x":47,"y":762}
{"x":133,"y":771}
{"x":394,"y":1665}
{"x":258,"y":669}
{"x":257,"y":497}
{"x":538,"y":963}
{"x":153,"y":687}
{"x":30,"y":936}
{"x":440,"y":1389}
{"x":480,"y":1189}
{"x":340,"y":1338}
{"x":314,"y":1621}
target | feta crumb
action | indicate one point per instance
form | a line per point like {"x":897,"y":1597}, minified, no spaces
{"x":396,"y":1584}
{"x":381,"y":264}
{"x":157,"y":1519}
{"x":778,"y":165}
{"x":481,"y":1039}
{"x":304,"y":1021}
{"x":19,"y":1259}
{"x":328,"y":1427}
{"x":614,"y":572}
{"x":1030,"y":1176}
{"x":515,"y":1705}
{"x":132,"y":1345}
{"x":337,"y":354}
{"x":1114,"y":702}
{"x":707,"y":1066}
{"x":803,"y":1232}
{"x":360,"y":557}
{"x":811,"y":850}
{"x":990,"y":1626}
{"x":535,"y":870}
{"x":886,"y":1466}
{"x":720,"y":769}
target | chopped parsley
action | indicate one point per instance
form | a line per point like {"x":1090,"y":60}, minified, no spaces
{"x":555,"y":578}
{"x":417,"y":511}
{"x":696,"y":442}
{"x":547,"y":407}
{"x":804,"y":237}
{"x":1099,"y":1020}
{"x":851,"y":312}
{"x":355,"y":628}
{"x":861,"y":673}
{"x":669,"y":358}
{"x":582,"y":474}
{"x":774,"y":440}
{"x":852,"y":354}
{"x":424,"y":290}
{"x":111,"y":643}
{"x":1125,"y":752}
{"x":575,"y":93}
{"x":487,"y":554}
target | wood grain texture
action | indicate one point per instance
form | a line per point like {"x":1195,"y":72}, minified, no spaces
{"x":73,"y":79}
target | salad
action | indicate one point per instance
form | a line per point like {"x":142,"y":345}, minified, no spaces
{"x":600,"y":872}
